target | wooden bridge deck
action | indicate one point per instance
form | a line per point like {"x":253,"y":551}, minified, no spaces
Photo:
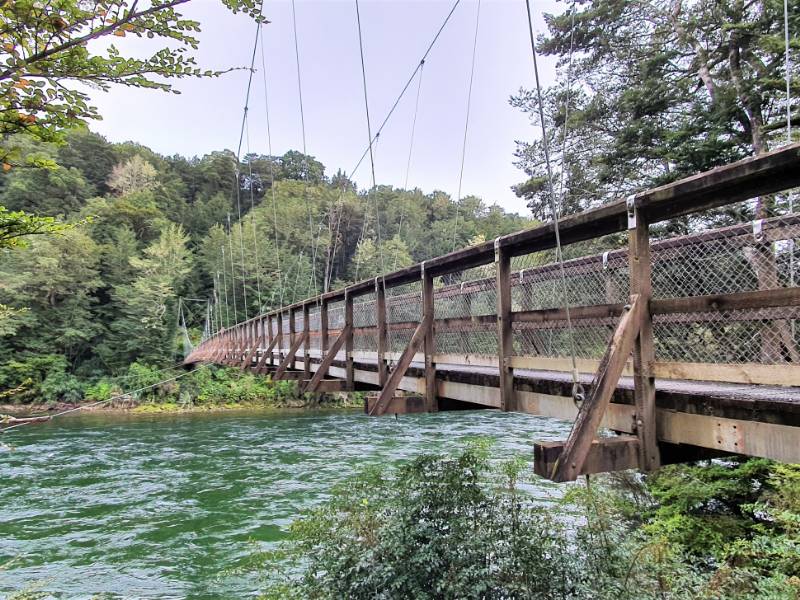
{"x":686,"y":346}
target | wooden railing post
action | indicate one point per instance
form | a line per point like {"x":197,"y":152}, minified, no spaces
{"x":323,"y":328}
{"x":348,"y":344}
{"x":307,"y":344}
{"x":643,"y":351}
{"x":292,"y":325}
{"x":380,"y":306}
{"x":505,"y":340}
{"x":271,"y":334}
{"x":432,"y":405}
{"x":280,"y":337}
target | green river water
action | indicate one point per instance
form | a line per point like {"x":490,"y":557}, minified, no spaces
{"x":163,"y":506}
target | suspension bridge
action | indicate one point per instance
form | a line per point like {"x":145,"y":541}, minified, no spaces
{"x":684,"y":346}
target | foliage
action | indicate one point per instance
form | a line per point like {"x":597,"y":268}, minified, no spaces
{"x":462,"y":527}
{"x":45,"y":50}
{"x":138,"y":230}
{"x":657,"y":90}
{"x":429,"y":530}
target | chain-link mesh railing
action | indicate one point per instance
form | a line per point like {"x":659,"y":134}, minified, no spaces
{"x":746,"y":257}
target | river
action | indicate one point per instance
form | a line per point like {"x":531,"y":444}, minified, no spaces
{"x":161,"y":506}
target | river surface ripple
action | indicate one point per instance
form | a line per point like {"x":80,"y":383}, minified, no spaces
{"x":161,"y":506}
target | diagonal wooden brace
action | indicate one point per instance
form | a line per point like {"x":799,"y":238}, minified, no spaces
{"x":388,"y":391}
{"x":267,"y":354}
{"x":248,"y":361}
{"x":290,"y":356}
{"x":330,"y":355}
{"x":570,"y":463}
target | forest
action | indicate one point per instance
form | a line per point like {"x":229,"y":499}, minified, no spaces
{"x":99,"y":299}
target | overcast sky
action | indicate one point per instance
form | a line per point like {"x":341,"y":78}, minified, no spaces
{"x":207,"y":114}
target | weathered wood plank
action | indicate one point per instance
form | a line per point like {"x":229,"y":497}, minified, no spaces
{"x":322,"y":370}
{"x":400,"y":369}
{"x":603,"y":386}
{"x":505,"y":340}
{"x":290,"y":356}
{"x":603,"y":456}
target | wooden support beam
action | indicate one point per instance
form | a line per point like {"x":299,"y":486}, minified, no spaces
{"x":380,"y":315}
{"x":570,"y":464}
{"x":505,"y":341}
{"x":348,"y":343}
{"x":430,"y":341}
{"x":270,"y":322}
{"x":248,"y":361}
{"x":279,"y":337}
{"x":603,"y":456}
{"x":640,"y":267}
{"x":323,"y":327}
{"x":389,"y":390}
{"x":774,"y":298}
{"x":324,"y":386}
{"x":261,"y":366}
{"x":399,"y":405}
{"x":289,"y":358}
{"x":328,"y":359}
{"x":307,"y":345}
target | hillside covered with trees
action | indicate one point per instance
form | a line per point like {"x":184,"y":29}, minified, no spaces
{"x":94,"y":299}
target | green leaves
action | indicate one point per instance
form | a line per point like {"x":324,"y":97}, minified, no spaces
{"x":45,"y":50}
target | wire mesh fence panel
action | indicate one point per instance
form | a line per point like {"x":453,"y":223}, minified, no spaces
{"x":600,"y":278}
{"x":744,"y":257}
{"x":463,"y":295}
{"x":403,"y":305}
{"x":551,"y":339}
{"x":365,"y":316}
{"x":336,"y":324}
{"x":466,"y":293}
{"x":757,"y":255}
{"x":285,"y":330}
{"x":314,"y":328}
{"x":589,"y":280}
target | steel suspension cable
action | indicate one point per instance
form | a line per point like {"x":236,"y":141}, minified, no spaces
{"x":564,"y":163}
{"x":253,"y":218}
{"x":271,"y":173}
{"x":225,"y":288}
{"x":305,"y":154}
{"x":577,"y":390}
{"x":408,"y":162}
{"x":233,"y":271}
{"x":788,"y":67}
{"x":370,"y":144}
{"x":466,"y":121}
{"x":406,"y":86}
{"x":394,"y":106}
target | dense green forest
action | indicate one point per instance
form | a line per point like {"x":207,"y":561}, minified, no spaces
{"x":88,"y":302}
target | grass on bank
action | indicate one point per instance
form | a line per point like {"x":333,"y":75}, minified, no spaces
{"x":45,"y":384}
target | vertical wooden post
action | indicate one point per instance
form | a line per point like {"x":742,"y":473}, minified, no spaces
{"x":307,"y":343}
{"x":280,"y":336}
{"x":323,"y":328}
{"x":380,"y":306}
{"x":432,"y":405}
{"x":505,"y":339}
{"x":271,"y":334}
{"x":643,"y":351}
{"x":292,"y":325}
{"x":323,"y":332}
{"x":348,"y":345}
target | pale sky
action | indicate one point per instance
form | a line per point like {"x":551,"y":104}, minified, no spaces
{"x":207,"y":115}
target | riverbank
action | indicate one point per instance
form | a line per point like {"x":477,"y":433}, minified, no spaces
{"x":151,"y":390}
{"x":345,"y":401}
